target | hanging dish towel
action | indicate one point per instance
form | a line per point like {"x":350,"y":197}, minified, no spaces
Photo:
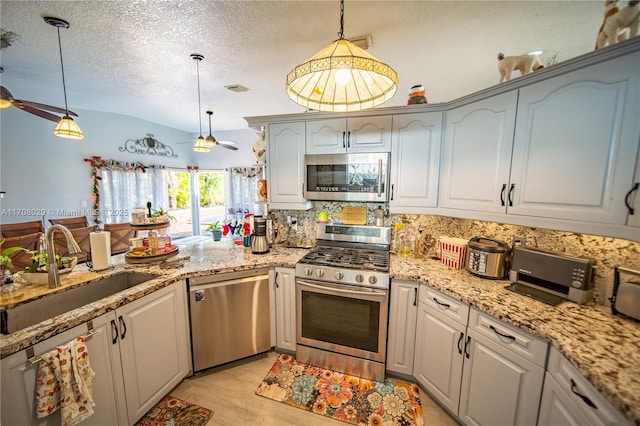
{"x":64,"y":381}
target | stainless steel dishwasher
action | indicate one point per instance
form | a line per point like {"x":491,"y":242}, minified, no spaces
{"x":229,"y":316}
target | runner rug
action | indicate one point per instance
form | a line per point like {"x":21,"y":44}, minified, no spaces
{"x":340,"y":396}
{"x":172,"y":411}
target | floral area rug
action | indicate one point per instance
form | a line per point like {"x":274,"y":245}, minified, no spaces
{"x":340,"y":396}
{"x":172,"y":411}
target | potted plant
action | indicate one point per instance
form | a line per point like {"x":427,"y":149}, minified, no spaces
{"x":216,"y":230}
{"x":37,"y":272}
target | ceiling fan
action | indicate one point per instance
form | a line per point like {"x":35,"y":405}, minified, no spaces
{"x":211,"y":141}
{"x":35,"y":108}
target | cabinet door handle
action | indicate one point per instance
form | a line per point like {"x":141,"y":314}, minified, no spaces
{"x":349,"y":139}
{"x":626,"y":198}
{"x":506,"y":336}
{"x":442,"y":305}
{"x":460,"y":343}
{"x":466,"y":347}
{"x":415,"y":296}
{"x":344,"y":139}
{"x":275,"y":281}
{"x":504,"y":186}
{"x":583,"y":397}
{"x":379,"y":177}
{"x":123,"y":327}
{"x":114,"y":332}
{"x":510,"y":198}
{"x":392,"y":188}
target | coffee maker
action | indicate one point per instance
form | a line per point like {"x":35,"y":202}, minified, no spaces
{"x":259,"y":240}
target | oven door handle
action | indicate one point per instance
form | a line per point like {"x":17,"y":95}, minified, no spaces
{"x":343,"y":291}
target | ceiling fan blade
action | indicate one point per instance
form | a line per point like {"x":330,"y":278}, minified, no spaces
{"x":39,"y":113}
{"x":228,"y":144}
{"x":5,"y":94}
{"x":43,"y":106}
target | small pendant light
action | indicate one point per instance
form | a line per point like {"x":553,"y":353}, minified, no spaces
{"x":67,"y":127}
{"x":201,"y":144}
{"x":341,"y":77}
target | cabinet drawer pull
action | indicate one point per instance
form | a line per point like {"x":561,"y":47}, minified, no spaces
{"x":504,"y":186}
{"x":114,"y":332}
{"x":442,"y":305}
{"x":506,"y":336}
{"x":510,"y":198}
{"x":583,"y":397}
{"x":460,"y":343}
{"x":626,"y":198}
{"x":349,"y":139}
{"x":344,"y":139}
{"x":123,"y":327}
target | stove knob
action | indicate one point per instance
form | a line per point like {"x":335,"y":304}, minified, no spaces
{"x":373,"y":279}
{"x":359,"y":278}
{"x":307,"y":271}
{"x":339,"y":275}
{"x":319,"y":273}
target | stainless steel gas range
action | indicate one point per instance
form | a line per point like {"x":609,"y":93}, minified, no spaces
{"x":342,"y":300}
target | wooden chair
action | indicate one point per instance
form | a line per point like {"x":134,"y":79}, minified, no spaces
{"x":120,"y":234}
{"x":22,"y":259}
{"x":20,"y":229}
{"x":81,"y":235}
{"x":71,"y":222}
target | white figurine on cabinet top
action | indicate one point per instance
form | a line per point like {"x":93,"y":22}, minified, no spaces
{"x":260,"y":148}
{"x":523,"y":63}
{"x":619,"y":24}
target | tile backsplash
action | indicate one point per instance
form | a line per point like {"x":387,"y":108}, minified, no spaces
{"x":607,"y":252}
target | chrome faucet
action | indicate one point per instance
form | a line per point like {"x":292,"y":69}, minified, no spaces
{"x":54,"y":279}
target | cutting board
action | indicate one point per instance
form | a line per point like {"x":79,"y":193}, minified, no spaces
{"x":352,"y":215}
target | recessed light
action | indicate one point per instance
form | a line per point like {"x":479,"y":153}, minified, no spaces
{"x":535,"y":52}
{"x":236,"y":88}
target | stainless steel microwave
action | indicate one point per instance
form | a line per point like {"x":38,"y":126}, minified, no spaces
{"x":347,"y":177}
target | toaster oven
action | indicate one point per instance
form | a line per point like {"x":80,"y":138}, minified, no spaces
{"x":551,"y":277}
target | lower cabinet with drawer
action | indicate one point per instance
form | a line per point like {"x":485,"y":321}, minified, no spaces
{"x":139,"y":352}
{"x":569,"y":399}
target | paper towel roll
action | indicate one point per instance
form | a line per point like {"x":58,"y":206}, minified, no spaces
{"x":100,"y":249}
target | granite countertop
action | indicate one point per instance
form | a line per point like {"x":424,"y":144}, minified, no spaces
{"x":604,"y":348}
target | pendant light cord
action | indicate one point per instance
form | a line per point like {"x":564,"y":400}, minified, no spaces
{"x":199,"y":107}
{"x":341,"y":33}
{"x":64,"y":87}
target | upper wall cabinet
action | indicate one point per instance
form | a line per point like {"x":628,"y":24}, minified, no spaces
{"x":632,"y":198}
{"x":415,"y":162}
{"x":575,"y":144}
{"x":570,"y":155}
{"x":477,"y":154}
{"x":285,"y":165}
{"x":357,"y":134}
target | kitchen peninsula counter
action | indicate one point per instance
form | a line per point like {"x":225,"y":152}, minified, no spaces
{"x":603,"y":347}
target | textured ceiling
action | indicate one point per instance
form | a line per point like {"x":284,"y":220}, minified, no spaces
{"x":133,"y":57}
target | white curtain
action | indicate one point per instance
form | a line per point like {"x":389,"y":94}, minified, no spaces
{"x":240,"y":193}
{"x":121,"y":191}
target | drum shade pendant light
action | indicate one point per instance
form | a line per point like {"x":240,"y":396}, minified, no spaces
{"x":200,"y":145}
{"x":341,"y":77}
{"x":67,"y":127}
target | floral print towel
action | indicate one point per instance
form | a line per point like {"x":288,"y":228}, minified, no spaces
{"x":64,"y":381}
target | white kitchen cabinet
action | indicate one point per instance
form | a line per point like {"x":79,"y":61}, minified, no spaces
{"x":476,"y":156}
{"x":403,"y":311}
{"x":355,"y":134}
{"x":154,"y":346}
{"x":569,"y":399}
{"x":576,"y":142}
{"x":285,"y":166}
{"x":285,"y":297}
{"x":126,"y":384}
{"x":415,"y":162}
{"x":439,"y":349}
{"x":502,"y":375}
{"x":19,"y":379}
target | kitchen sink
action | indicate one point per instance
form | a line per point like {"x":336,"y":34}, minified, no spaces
{"x":31,"y":313}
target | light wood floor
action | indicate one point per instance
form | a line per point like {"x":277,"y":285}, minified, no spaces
{"x":229,"y":391}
